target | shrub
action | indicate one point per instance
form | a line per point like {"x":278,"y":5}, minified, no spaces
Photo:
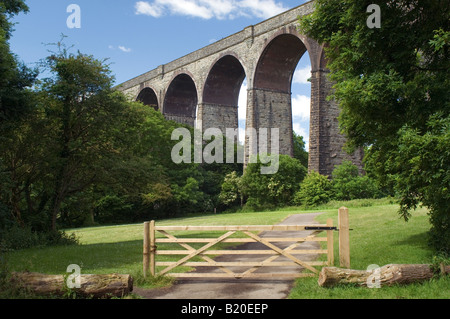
{"x":272,"y":190}
{"x":349,"y":185}
{"x":17,"y":238}
{"x":314,"y":190}
{"x":231,"y":194}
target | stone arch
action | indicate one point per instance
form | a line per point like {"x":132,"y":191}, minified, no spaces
{"x":277,"y":63}
{"x":148,"y":97}
{"x":269,"y":98}
{"x":181,"y":99}
{"x":219,"y":107}
{"x":224,"y":81}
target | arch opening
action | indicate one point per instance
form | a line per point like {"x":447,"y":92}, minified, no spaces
{"x":271,"y":97}
{"x":278,"y":62}
{"x":148,"y":97}
{"x":220,"y":106}
{"x":181,"y":100}
{"x":224,"y":82}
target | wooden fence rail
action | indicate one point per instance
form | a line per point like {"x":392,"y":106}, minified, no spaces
{"x":151,"y":251}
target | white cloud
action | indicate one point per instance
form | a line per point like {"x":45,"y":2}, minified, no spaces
{"x":120,"y":47}
{"x":242,"y":135}
{"x":242,"y":111}
{"x":301,"y":76}
{"x":262,"y":8}
{"x":208,"y":9}
{"x":124,"y":49}
{"x":301,"y":107}
{"x":301,"y":113}
{"x":143,"y":7}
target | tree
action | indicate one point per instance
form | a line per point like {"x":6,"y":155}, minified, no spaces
{"x":86,"y":117}
{"x":81,"y":142}
{"x":16,"y":100}
{"x":392,"y":84}
{"x":315,"y":189}
{"x":348,"y":184}
{"x":300,"y":152}
{"x":15,"y":77}
{"x":231,"y":193}
{"x":273,"y":190}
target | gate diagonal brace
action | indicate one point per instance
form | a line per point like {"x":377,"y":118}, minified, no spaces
{"x":282,"y":252}
{"x":266,"y":262}
{"x":190,"y":248}
{"x":197,"y":252}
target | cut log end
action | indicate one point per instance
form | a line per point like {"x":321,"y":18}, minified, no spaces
{"x":91,"y":286}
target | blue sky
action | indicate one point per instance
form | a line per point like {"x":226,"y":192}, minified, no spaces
{"x":138,"y":36}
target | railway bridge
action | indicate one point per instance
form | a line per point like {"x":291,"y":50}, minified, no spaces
{"x":202,"y":88}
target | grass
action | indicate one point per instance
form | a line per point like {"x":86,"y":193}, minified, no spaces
{"x":118,"y":249}
{"x":379,"y":237}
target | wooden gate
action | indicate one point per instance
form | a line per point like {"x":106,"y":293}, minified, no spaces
{"x":233,"y":235}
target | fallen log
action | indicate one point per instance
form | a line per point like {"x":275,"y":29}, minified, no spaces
{"x":91,"y":286}
{"x":385,"y":276}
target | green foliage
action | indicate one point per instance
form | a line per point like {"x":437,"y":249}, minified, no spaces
{"x":98,"y":158}
{"x":231,"y":193}
{"x":272,"y":190}
{"x":15,"y":77}
{"x":423,"y":177}
{"x":314,"y":190}
{"x":17,"y":238}
{"x":349,"y":185}
{"x":109,"y":208}
{"x":190,"y":198}
{"x":300,"y":152}
{"x":392,"y":84}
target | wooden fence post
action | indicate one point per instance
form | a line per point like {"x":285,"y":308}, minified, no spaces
{"x":330,"y":243}
{"x":146,"y":252}
{"x":344,"y":238}
{"x":152,"y":249}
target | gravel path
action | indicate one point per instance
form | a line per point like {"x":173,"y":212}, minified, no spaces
{"x":211,"y":288}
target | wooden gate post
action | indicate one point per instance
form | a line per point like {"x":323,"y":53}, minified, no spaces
{"x":146,"y":252}
{"x":330,"y":243}
{"x":344,"y":238}
{"x":152,"y":249}
{"x":149,"y":248}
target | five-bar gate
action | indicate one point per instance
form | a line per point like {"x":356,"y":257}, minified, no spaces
{"x":199,"y":252}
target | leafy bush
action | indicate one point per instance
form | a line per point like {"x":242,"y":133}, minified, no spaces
{"x":231,"y":193}
{"x":111,"y":208}
{"x":17,"y":238}
{"x":349,"y":185}
{"x":314,"y":190}
{"x":272,"y":190}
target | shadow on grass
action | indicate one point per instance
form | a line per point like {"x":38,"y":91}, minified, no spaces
{"x":416,"y":240}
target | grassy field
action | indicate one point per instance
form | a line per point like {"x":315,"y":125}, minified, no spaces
{"x":379,"y":237}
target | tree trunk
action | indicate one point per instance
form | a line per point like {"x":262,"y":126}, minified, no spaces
{"x":385,"y":276}
{"x":92,"y":286}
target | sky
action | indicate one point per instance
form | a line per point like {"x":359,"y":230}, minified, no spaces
{"x":138,"y":36}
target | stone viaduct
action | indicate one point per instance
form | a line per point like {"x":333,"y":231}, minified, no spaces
{"x":202,"y":88}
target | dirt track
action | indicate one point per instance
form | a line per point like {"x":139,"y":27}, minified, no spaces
{"x":211,"y":288}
